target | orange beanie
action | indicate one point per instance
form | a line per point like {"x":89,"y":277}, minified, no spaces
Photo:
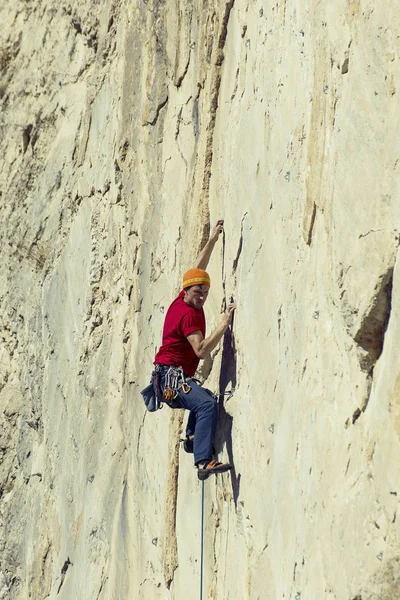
{"x":196,"y":277}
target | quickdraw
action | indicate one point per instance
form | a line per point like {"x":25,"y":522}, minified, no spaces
{"x":174,"y":379}
{"x":185,"y":387}
{"x":169,"y":394}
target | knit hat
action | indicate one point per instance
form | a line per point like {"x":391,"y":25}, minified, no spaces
{"x":196,"y":277}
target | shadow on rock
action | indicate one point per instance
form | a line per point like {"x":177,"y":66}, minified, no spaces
{"x":227,"y":382}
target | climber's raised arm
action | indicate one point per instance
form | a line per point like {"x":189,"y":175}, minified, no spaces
{"x":205,"y":254}
{"x":204,"y":346}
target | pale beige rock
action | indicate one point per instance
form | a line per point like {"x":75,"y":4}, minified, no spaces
{"x":127,"y":130}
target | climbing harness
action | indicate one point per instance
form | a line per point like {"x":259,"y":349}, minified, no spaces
{"x":174,"y":381}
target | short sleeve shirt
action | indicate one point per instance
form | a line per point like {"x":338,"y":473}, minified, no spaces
{"x":181,"y":320}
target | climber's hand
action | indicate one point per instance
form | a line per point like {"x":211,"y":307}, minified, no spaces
{"x":228,"y":314}
{"x":216,"y":230}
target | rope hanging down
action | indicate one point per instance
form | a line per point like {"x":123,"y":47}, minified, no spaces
{"x":202,"y":540}
{"x":221,"y":393}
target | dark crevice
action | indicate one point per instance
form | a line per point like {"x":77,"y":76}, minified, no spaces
{"x":224,"y":28}
{"x":371,"y":333}
{"x":312,"y":222}
{"x":26,"y":137}
{"x":183,"y":75}
{"x":158,"y":110}
{"x":236,"y":84}
{"x":369,"y":389}
{"x":370,"y":336}
{"x":213,"y":107}
{"x":181,"y":25}
{"x":356,"y":414}
{"x":279,"y":322}
{"x":178,"y":123}
{"x":236,"y":261}
{"x":345,"y":66}
{"x":228,"y":362}
{"x":76,"y":25}
{"x":64,"y":572}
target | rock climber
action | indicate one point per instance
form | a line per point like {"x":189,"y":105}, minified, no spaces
{"x":183,"y":346}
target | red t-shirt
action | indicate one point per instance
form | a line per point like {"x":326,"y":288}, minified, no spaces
{"x":181,"y":320}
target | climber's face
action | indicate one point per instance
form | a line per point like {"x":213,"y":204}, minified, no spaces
{"x":196,"y":295}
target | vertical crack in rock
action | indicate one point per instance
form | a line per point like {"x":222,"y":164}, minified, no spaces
{"x":184,"y":42}
{"x":177,"y":132}
{"x":284,"y":13}
{"x":82,"y":137}
{"x":140,"y":433}
{"x":178,"y":124}
{"x":215,"y":91}
{"x":26,"y":137}
{"x":181,"y":77}
{"x":204,"y":177}
{"x":45,"y":571}
{"x":236,"y":261}
{"x":279,"y":322}
{"x":170,"y":552}
{"x":240,"y":247}
{"x":157,"y":68}
{"x":309,"y":220}
{"x":236,"y":84}
{"x":158,"y":109}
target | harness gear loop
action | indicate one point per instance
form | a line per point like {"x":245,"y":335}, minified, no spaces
{"x":174,"y":380}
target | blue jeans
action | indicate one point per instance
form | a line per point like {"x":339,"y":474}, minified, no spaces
{"x":203,"y":415}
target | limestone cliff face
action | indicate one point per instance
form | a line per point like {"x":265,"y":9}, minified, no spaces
{"x":127,"y":128}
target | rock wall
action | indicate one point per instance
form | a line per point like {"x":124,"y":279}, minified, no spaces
{"x":127,"y":128}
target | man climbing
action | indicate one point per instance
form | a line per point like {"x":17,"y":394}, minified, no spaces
{"x":183,"y":346}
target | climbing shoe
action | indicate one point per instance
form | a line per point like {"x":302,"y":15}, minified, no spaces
{"x":188,"y":444}
{"x":210,"y":467}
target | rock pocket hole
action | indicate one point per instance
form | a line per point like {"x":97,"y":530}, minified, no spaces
{"x":370,"y":336}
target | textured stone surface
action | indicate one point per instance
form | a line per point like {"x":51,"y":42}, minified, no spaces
{"x":126,"y":130}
